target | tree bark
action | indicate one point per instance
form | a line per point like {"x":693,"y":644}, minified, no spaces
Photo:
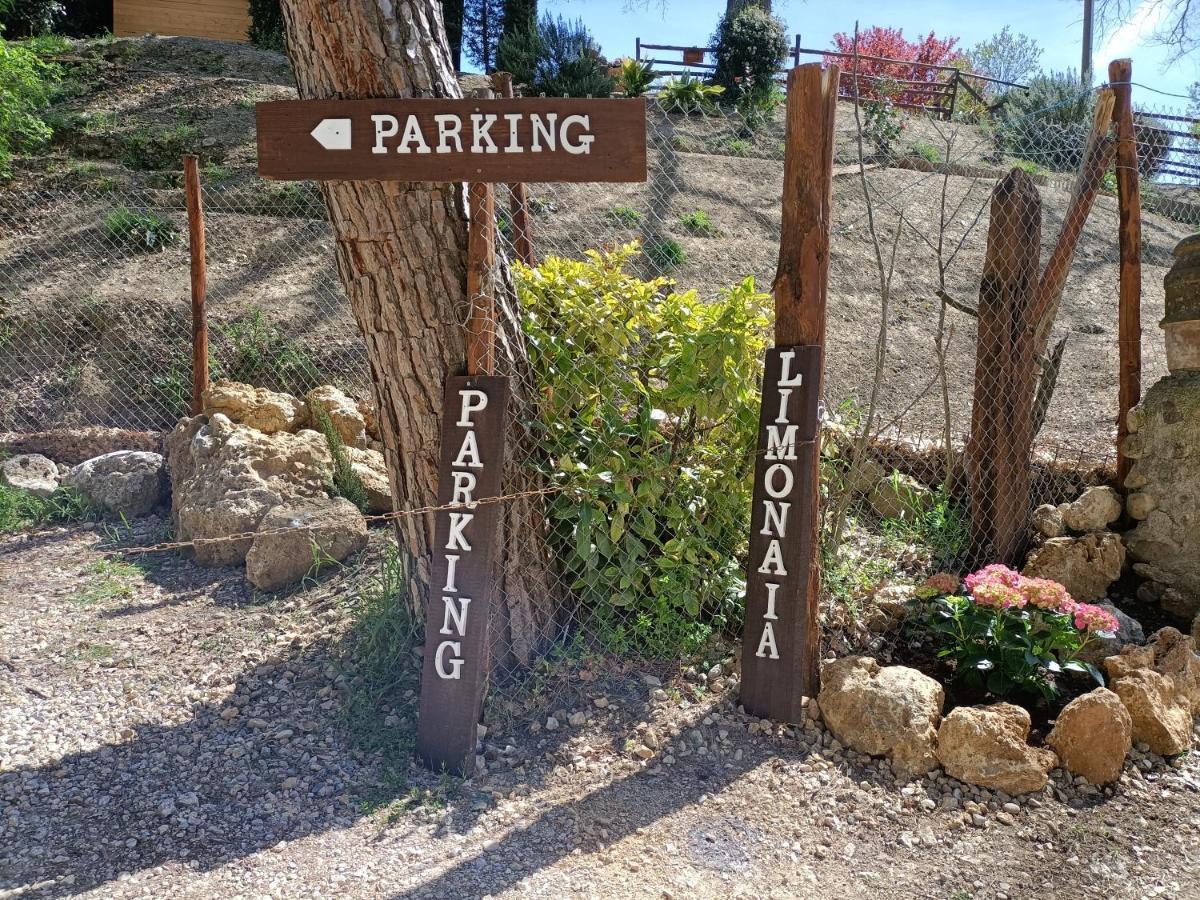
{"x":402,"y":255}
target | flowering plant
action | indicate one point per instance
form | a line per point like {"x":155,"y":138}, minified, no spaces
{"x":1008,"y":632}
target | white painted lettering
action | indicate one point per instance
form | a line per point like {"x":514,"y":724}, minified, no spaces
{"x":767,"y":643}
{"x":775,"y":518}
{"x":449,"y":129}
{"x":456,"y":614}
{"x":451,"y":572}
{"x":514,"y":145}
{"x":412,"y":135}
{"x":457,"y":541}
{"x":772,"y":588}
{"x":583,"y":143}
{"x":481,"y":126}
{"x":464,"y":484}
{"x":772,"y":563}
{"x":468,"y":453}
{"x":769,"y":481}
{"x":786,"y":378}
{"x":472,"y":402}
{"x":543,"y":131}
{"x":456,"y":664}
{"x":385,"y":127}
{"x":782,"y":418}
{"x":781,"y":445}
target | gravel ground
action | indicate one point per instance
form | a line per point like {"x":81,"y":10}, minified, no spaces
{"x":164,"y":732}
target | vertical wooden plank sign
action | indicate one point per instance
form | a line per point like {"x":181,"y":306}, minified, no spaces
{"x":781,"y":640}
{"x":462,"y":582}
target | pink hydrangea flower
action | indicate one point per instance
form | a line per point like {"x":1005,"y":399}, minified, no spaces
{"x":993,"y":574}
{"x":1089,"y":617}
{"x":1046,"y":594}
{"x":998,"y":595}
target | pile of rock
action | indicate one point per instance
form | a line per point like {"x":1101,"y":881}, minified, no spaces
{"x":123,"y":483}
{"x":252,"y":465}
{"x":1080,"y":553}
{"x":895,"y":711}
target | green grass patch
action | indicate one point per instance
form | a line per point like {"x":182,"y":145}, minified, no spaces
{"x":739,"y":147}
{"x":21,"y":510}
{"x":665,"y":253}
{"x":110,"y":579}
{"x":625,"y":216}
{"x":160,"y":147}
{"x":141,"y":231}
{"x":697,"y":222}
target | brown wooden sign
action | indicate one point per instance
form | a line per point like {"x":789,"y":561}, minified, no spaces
{"x":504,"y":140}
{"x":462,"y":582}
{"x":776,"y":645}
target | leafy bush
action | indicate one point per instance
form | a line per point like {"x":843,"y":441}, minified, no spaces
{"x":266,"y":25}
{"x":665,"y":254}
{"x":344,"y":481}
{"x":739,"y":147}
{"x":882,"y":124}
{"x":159,"y":147}
{"x":256,"y":352}
{"x":568,"y":61}
{"x":26,"y":84}
{"x":926,"y":151}
{"x":697,"y":222}
{"x":917,"y":60}
{"x":86,"y":18}
{"x":1011,"y":633}
{"x":140,"y":230}
{"x":624,"y":215}
{"x":519,"y":50}
{"x":636,"y":77}
{"x":23,"y":18}
{"x":689,"y":95}
{"x":750,"y":48}
{"x":648,"y":412}
{"x":1048,"y":122}
{"x":1006,"y":56}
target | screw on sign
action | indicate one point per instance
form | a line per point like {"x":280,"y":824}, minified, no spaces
{"x":481,"y":141}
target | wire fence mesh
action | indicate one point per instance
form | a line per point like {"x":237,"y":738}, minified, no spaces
{"x":648,"y":545}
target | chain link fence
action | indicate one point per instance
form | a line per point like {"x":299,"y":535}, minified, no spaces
{"x":95,"y":330}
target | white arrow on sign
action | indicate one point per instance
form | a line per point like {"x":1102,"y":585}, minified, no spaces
{"x":333,"y":134}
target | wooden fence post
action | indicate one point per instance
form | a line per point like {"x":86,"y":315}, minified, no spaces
{"x":1001,"y":414}
{"x":522,"y":234}
{"x":196,"y":248}
{"x":1129,"y":200}
{"x":781,"y":641}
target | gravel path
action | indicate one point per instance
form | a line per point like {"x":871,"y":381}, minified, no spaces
{"x":163,"y":732}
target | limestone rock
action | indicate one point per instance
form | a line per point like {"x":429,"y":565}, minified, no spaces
{"x":1164,"y":435}
{"x":888,"y":608}
{"x":1160,"y":713}
{"x":1092,"y":736}
{"x":862,"y":478}
{"x":1085,"y":565}
{"x":30,"y":472}
{"x":986,"y":746}
{"x":344,"y":414}
{"x":268,"y":411}
{"x":226,"y":477}
{"x":1094,"y":510}
{"x":1048,"y":520}
{"x":1196,"y":631}
{"x":300,"y":536}
{"x":1171,"y":654}
{"x":128,"y":483}
{"x":899,"y":497}
{"x":1129,"y":631}
{"x":884,"y":711}
{"x":371,"y":469}
{"x":71,"y":446}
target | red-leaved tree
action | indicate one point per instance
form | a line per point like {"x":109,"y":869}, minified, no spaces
{"x":914,"y":61}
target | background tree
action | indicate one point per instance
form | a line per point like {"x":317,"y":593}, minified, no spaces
{"x":917,"y":60}
{"x":452,"y":14}
{"x":750,"y":44}
{"x":1007,"y":56}
{"x":520,"y":49}
{"x":517,"y":15}
{"x":1178,"y":29}
{"x":569,"y":61}
{"x":401,"y":253}
{"x":483,"y":24}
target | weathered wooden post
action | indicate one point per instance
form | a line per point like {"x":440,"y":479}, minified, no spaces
{"x":522,"y":233}
{"x":781,"y":641}
{"x":1129,"y":201}
{"x":1001,"y":414}
{"x":199,"y":265}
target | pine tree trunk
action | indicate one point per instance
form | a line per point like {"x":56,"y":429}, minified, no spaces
{"x":401,"y":251}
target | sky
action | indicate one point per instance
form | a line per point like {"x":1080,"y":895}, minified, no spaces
{"x":1055,"y":24}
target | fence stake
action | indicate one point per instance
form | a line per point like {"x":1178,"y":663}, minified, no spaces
{"x":195,"y":214}
{"x":522,"y":234}
{"x":781,"y":641}
{"x":1129,"y":200}
{"x":1001,"y":414}
{"x":954,"y":95}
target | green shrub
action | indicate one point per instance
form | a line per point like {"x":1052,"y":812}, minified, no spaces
{"x":20,"y":510}
{"x":636,"y":77}
{"x":140,"y":230}
{"x":26,"y":84}
{"x":519,"y":50}
{"x":648,"y":412}
{"x":689,"y":95}
{"x":343,"y":480}
{"x":266,"y":25}
{"x":569,"y":63}
{"x":926,"y":151}
{"x":882,"y":123}
{"x":1048,"y":122}
{"x":697,"y":222}
{"x":750,"y":48}
{"x":665,"y":253}
{"x":23,"y":18}
{"x":159,"y":147}
{"x":624,"y":215}
{"x":739,"y":147}
{"x":254,"y":351}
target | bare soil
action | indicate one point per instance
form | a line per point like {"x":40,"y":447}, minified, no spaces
{"x":105,"y":329}
{"x":164,"y":732}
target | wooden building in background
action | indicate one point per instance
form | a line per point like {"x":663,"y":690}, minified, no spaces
{"x":222,"y":20}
